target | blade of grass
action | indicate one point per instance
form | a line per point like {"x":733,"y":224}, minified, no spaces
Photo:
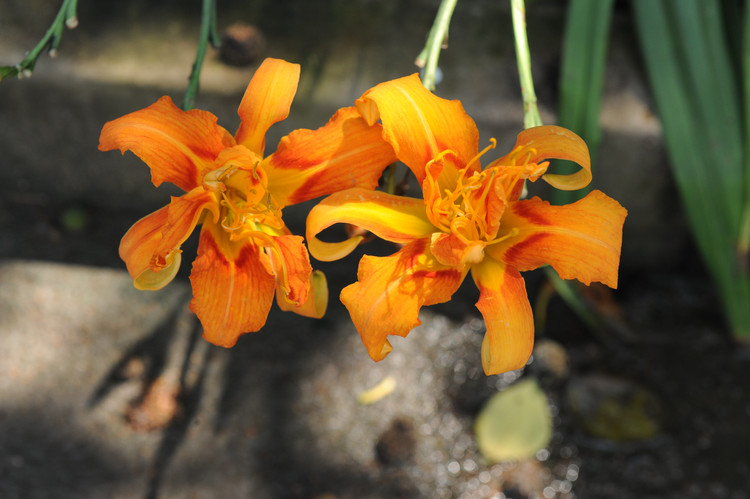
{"x":692,"y":80}
{"x":743,"y":243}
{"x":582,"y":80}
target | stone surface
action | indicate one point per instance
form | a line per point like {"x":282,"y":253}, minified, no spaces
{"x":276,"y":416}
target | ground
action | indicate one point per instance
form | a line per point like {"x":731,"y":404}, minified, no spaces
{"x":111,"y":391}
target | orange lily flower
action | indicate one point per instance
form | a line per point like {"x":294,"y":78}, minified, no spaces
{"x":471,"y":219}
{"x":246,"y":254}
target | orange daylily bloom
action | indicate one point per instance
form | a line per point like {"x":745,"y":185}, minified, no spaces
{"x":471,"y":219}
{"x":246,"y":254}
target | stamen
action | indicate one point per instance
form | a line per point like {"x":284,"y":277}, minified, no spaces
{"x":511,"y":233}
{"x":461,"y":210}
{"x":493,"y":144}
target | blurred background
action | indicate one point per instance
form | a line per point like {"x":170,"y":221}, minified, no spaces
{"x":106,"y":391}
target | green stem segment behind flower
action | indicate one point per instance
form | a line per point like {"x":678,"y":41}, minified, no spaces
{"x":470,"y":220}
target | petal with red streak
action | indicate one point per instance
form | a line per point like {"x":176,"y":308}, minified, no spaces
{"x":418,"y":124}
{"x":504,"y":304}
{"x":232,"y":289}
{"x":390,"y":291}
{"x":176,"y":145}
{"x":138,"y":246}
{"x":183,"y":214}
{"x":267,"y":100}
{"x":344,"y":153}
{"x":580,"y":240}
{"x":291,"y":265}
{"x":397,"y":219}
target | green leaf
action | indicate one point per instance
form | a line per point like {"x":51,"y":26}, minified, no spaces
{"x":694,"y":84}
{"x":8,"y":71}
{"x":515,"y":423}
{"x":582,"y":79}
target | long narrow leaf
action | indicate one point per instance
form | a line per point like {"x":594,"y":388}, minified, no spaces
{"x":743,"y":244}
{"x":582,"y":77}
{"x":689,"y":69}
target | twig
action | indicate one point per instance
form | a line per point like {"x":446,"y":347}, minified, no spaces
{"x":66,"y":16}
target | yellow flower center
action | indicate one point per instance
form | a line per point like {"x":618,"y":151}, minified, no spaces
{"x":462,"y":210}
{"x":247,"y":208}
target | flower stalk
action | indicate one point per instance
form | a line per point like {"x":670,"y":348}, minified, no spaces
{"x":208,"y":34}
{"x":436,"y":40}
{"x":531,"y":115}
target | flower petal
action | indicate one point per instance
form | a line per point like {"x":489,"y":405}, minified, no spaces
{"x":390,"y":291}
{"x":344,"y":153}
{"x":175,"y":144}
{"x":138,"y":246}
{"x":418,"y":124}
{"x":503,"y":302}
{"x":183,"y":214}
{"x":291,"y":265}
{"x":455,"y":252}
{"x":580,"y":240}
{"x":536,"y":144}
{"x":317,"y":298}
{"x":397,"y":219}
{"x":267,"y":100}
{"x":232,"y":288}
{"x":151,"y":248}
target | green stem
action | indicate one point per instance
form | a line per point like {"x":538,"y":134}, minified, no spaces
{"x":436,"y":40}
{"x":531,"y":115}
{"x":66,"y":16}
{"x":531,"y":118}
{"x":208,"y":33}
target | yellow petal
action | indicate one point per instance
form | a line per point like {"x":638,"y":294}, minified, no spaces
{"x":580,"y":240}
{"x":534,"y":145}
{"x":394,"y":218}
{"x":267,"y":100}
{"x":503,"y":302}
{"x":232,"y":288}
{"x":390,"y":291}
{"x":418,"y":124}
{"x":138,"y":246}
{"x":151,"y":248}
{"x":317,"y":298}
{"x":377,"y":392}
{"x":175,"y":144}
{"x":344,"y":153}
